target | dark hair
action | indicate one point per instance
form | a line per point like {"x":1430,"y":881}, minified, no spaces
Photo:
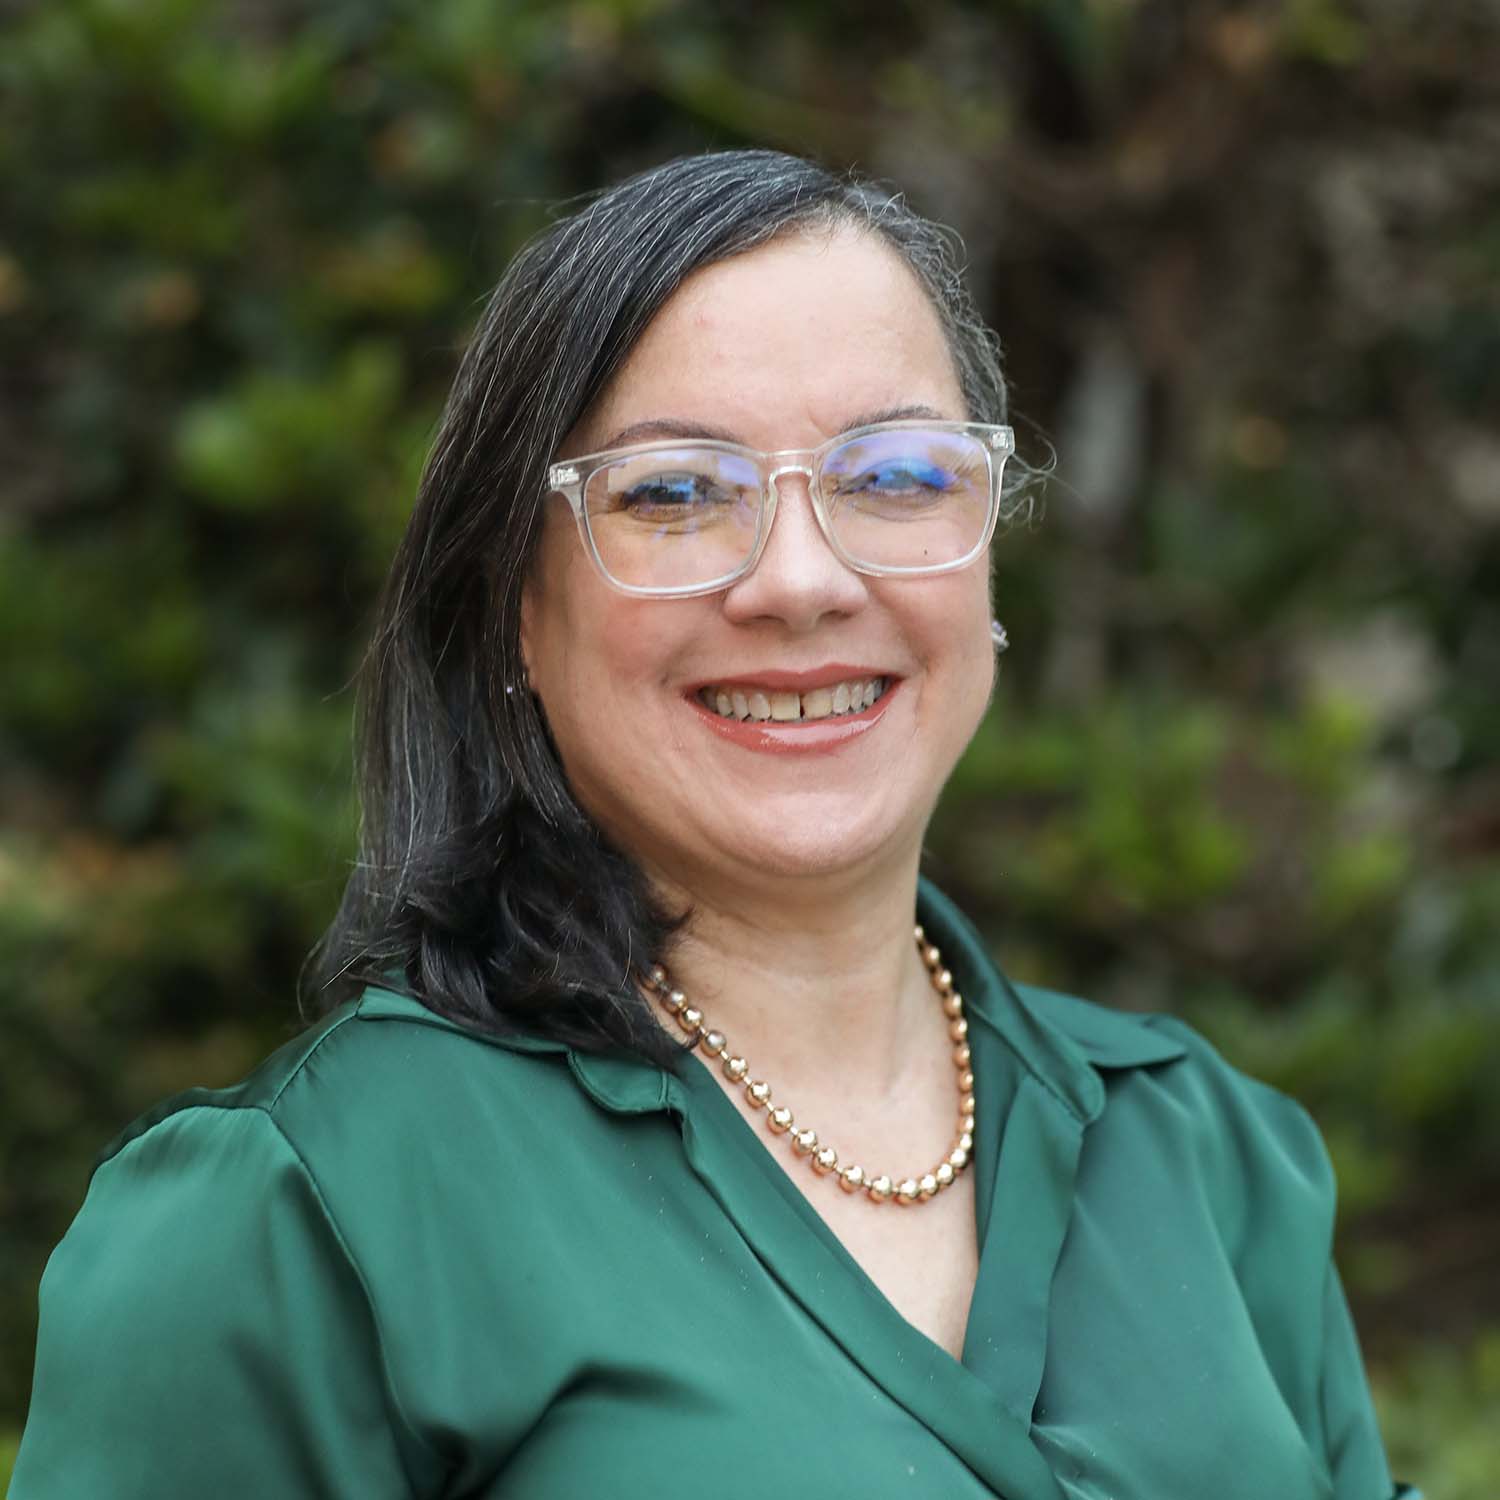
{"x":482,"y":888}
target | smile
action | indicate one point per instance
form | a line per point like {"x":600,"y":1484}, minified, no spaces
{"x":757,"y":705}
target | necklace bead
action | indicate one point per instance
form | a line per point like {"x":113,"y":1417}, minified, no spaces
{"x":822,"y":1158}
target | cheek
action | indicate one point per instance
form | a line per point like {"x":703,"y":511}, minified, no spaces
{"x":579,"y":635}
{"x":599,"y":660}
{"x":950,"y":617}
{"x":625,"y":648}
{"x":604,"y":694}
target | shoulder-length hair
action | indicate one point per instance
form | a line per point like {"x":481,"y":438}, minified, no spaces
{"x":481,"y":887}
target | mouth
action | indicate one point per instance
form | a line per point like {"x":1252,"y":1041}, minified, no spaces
{"x":749,"y":703}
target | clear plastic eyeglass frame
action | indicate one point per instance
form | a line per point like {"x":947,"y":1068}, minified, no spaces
{"x":570,"y":478}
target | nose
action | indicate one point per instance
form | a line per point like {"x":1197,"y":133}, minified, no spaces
{"x":798,"y":578}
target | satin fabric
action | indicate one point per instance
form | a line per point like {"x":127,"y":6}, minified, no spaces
{"x":403,"y":1259}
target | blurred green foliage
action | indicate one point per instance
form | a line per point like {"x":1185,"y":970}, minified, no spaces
{"x":1243,"y":760}
{"x":1437,"y":1411}
{"x":9,"y":1443}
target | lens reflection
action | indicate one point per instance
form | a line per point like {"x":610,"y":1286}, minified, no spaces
{"x":902,"y":499}
{"x":674,"y":518}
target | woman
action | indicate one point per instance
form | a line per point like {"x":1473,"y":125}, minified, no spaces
{"x":655,"y":1150}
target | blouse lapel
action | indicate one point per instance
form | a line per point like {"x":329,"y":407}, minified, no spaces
{"x":1041,"y":1087}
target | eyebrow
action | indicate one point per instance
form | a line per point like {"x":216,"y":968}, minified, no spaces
{"x":655,"y":428}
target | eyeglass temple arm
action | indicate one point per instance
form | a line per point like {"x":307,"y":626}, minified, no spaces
{"x":568,"y":482}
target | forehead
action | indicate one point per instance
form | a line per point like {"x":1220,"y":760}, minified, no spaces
{"x":785,"y":345}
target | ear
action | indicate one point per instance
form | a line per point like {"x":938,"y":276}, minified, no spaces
{"x":528,"y":625}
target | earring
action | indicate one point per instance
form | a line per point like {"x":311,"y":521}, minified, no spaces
{"x":998,"y":636}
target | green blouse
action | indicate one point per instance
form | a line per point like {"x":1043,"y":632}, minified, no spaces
{"x":404,"y":1259}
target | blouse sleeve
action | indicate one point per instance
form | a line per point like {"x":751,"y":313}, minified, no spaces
{"x":1276,"y":1201}
{"x":205,"y":1331}
{"x":1355,"y":1453}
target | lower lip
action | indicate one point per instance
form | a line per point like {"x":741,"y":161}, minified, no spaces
{"x":817,"y":737}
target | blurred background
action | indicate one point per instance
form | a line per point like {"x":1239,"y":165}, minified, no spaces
{"x":1244,"y":763}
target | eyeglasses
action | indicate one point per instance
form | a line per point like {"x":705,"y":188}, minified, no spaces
{"x":682,"y":517}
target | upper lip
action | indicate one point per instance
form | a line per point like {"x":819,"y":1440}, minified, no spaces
{"x":793,"y":682}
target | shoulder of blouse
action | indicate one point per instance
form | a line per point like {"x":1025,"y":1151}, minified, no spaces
{"x":1261,"y":1160}
{"x":1250,"y":1143}
{"x":1248,"y":1115}
{"x":1204,"y":1089}
{"x":378,"y":1058}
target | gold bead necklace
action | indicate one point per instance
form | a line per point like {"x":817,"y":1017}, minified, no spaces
{"x":823,"y":1159}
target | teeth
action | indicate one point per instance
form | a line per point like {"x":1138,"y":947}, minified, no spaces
{"x":786,"y":708}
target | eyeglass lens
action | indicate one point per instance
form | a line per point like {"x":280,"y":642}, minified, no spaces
{"x":686,"y":516}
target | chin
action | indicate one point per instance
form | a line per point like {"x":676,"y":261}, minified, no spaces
{"x":799,"y":841}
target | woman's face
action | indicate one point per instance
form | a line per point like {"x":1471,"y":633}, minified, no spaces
{"x":782,"y":347}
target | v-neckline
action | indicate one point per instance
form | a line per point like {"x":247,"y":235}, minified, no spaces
{"x":1025,"y":1151}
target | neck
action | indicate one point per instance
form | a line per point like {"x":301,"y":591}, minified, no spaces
{"x":813,"y":980}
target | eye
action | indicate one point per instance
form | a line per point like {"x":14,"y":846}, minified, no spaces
{"x":665,"y":495}
{"x":681,"y":501}
{"x":902,"y":484}
{"x":900,"y":476}
{"x":681,"y":491}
